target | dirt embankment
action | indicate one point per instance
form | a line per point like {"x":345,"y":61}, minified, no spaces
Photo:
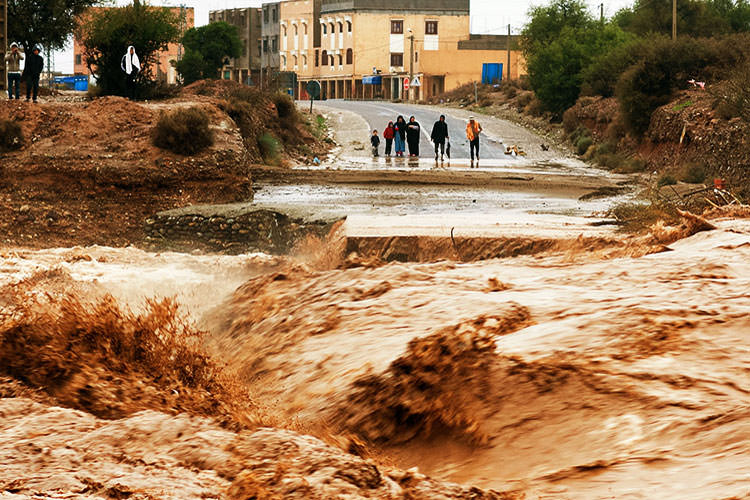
{"x":88,"y":173}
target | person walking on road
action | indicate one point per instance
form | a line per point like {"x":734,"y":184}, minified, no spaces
{"x":388,"y":134}
{"x":439,"y":136}
{"x":473,"y":128}
{"x":413,"y":132}
{"x":131,"y":65}
{"x":13,"y":64}
{"x":33,"y":70}
{"x":400,"y":135}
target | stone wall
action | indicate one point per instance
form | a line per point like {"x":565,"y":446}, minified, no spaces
{"x":229,"y":229}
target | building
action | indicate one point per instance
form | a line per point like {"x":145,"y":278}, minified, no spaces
{"x":3,"y":43}
{"x":368,"y":48}
{"x":270,"y":32}
{"x":165,"y":68}
{"x":300,"y":34}
{"x":246,"y":68}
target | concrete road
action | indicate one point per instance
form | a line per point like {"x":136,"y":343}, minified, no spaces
{"x":377,"y":114}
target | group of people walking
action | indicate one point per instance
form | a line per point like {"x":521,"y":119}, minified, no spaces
{"x":34,"y":66}
{"x":31,"y":72}
{"x":402,"y":134}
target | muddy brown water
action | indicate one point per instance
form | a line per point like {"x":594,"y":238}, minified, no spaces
{"x":629,"y":378}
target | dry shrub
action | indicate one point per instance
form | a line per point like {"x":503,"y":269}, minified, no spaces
{"x":184,"y":131}
{"x":11,"y":136}
{"x":108,"y":361}
{"x":570,"y":120}
{"x":690,"y":225}
{"x":441,"y":382}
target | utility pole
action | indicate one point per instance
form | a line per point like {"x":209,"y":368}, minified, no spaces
{"x":601,"y":13}
{"x":674,"y":19}
{"x":508,"y":47}
{"x":411,"y":62}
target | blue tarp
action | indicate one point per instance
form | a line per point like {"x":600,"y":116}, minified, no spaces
{"x":372,"y":80}
{"x":492,"y":73}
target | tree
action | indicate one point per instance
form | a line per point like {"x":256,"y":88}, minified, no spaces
{"x":44,"y":23}
{"x":559,"y":43}
{"x":206,"y":49}
{"x":694,"y":17}
{"x":108,"y":33}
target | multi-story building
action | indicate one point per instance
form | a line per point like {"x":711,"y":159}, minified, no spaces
{"x":270,"y":32}
{"x":299,"y":36}
{"x":3,"y":43}
{"x":368,"y":48}
{"x":165,"y":68}
{"x":246,"y":68}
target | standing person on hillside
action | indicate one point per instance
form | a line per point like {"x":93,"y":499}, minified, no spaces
{"x":33,"y":71}
{"x":400,"y":135}
{"x":13,"y":64}
{"x":413,"y":132}
{"x":388,"y":135}
{"x":439,"y":136}
{"x":131,"y":65}
{"x":473,"y":128}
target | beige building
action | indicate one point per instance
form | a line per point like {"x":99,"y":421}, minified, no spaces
{"x":368,"y":48}
{"x":249,"y":23}
{"x":299,"y":36}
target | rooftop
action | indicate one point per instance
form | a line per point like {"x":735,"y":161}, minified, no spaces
{"x":428,"y":6}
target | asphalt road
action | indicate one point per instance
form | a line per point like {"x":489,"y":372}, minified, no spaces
{"x":378,"y":114}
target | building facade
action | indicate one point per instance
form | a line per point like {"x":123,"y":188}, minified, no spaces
{"x":300,"y":34}
{"x":3,"y":43}
{"x":270,"y":38}
{"x":249,"y":22}
{"x":165,"y":67}
{"x":369,"y":48}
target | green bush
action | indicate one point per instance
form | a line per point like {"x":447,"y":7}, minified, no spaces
{"x":270,"y":148}
{"x":11,"y":135}
{"x":206,"y":48}
{"x":666,"y":180}
{"x":733,"y":99}
{"x":583,"y":144}
{"x":184,"y":131}
{"x":600,"y":77}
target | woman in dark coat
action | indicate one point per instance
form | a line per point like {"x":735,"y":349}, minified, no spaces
{"x":400,"y":135}
{"x":413,"y":132}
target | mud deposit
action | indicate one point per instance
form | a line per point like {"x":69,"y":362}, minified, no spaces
{"x":607,"y":374}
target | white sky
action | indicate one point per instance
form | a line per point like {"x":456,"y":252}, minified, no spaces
{"x":487,"y":16}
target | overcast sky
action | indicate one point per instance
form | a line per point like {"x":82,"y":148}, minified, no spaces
{"x":487,"y":16}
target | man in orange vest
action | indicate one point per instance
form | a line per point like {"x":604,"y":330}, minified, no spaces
{"x":473,"y":128}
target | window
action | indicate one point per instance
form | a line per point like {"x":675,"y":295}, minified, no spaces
{"x":430,"y":28}
{"x":333,"y":28}
{"x":265,"y":45}
{"x":275,"y":15}
{"x":416,"y":56}
{"x":283,"y":30}
{"x":324,"y":58}
{"x":305,"y":26}
{"x":349,"y":56}
{"x":397,"y":27}
{"x":317,"y":58}
{"x":283,"y":61}
{"x":304,"y":60}
{"x":341,"y":27}
{"x":78,"y":59}
{"x":265,"y":15}
{"x":244,"y":48}
{"x":294,"y":61}
{"x":296,"y":30}
{"x":349,"y":26}
{"x":260,"y":48}
{"x":325,"y":29}
{"x":397,"y":60}
{"x":341,"y":60}
{"x":275,"y":44}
